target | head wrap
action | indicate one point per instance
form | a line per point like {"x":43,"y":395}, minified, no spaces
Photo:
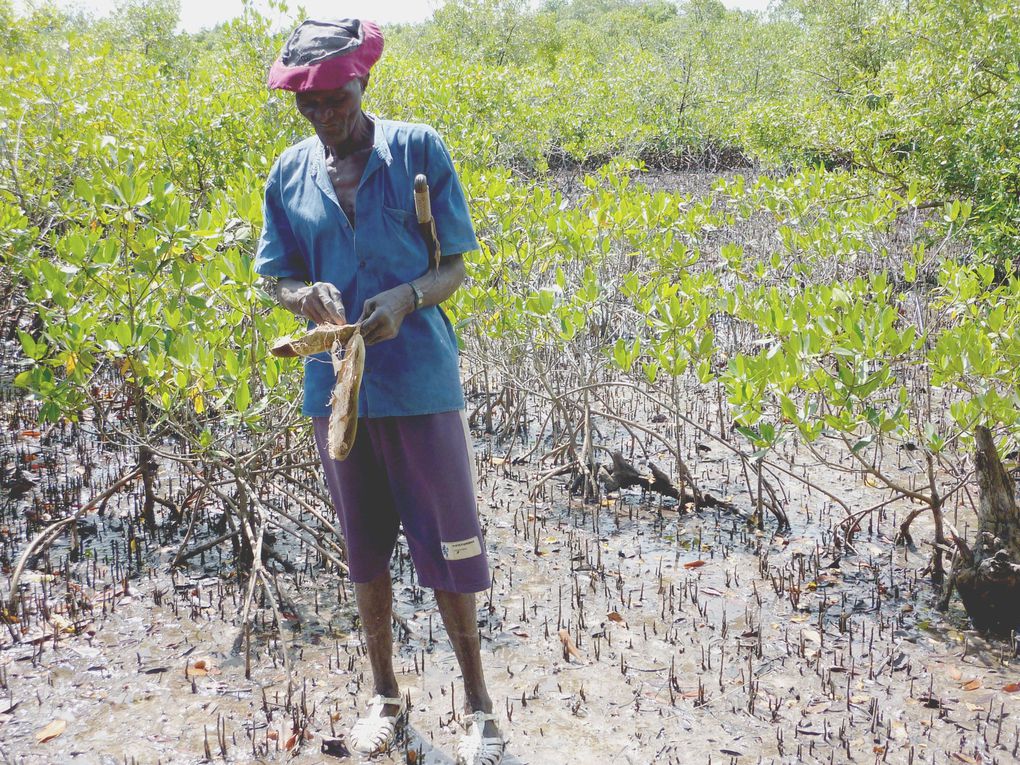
{"x":324,"y":55}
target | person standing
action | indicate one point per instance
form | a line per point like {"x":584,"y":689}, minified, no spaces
{"x":340,"y":239}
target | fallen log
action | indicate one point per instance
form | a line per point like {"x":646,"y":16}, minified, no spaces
{"x":987,"y":575}
{"x":623,"y":475}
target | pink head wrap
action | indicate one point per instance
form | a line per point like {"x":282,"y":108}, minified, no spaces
{"x":324,"y":55}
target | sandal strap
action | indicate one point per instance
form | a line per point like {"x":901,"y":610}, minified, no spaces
{"x":481,"y":716}
{"x":493,"y":742}
{"x":386,"y":701}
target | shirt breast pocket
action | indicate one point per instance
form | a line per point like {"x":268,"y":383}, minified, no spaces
{"x":402,"y":245}
{"x":394,"y":216}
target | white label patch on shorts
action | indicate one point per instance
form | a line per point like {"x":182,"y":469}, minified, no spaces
{"x":466,"y":548}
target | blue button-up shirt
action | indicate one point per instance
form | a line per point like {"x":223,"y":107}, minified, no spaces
{"x":307,"y":236}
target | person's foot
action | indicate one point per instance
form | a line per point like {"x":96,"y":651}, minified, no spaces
{"x":377,"y":730}
{"x":483,"y":744}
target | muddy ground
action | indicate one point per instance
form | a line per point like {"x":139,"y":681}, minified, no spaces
{"x":628,"y":630}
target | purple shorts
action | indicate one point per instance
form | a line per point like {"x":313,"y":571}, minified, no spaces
{"x":417,"y":471}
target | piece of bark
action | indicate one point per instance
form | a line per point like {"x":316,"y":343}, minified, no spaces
{"x":343,"y":417}
{"x":316,"y":340}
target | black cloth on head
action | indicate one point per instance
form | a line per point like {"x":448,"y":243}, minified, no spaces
{"x":314,"y":41}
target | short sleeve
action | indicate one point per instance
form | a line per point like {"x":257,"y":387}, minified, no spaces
{"x":278,"y":253}
{"x":449,"y":206}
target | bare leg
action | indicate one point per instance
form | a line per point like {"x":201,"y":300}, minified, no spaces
{"x":459,"y":618}
{"x":375,"y":604}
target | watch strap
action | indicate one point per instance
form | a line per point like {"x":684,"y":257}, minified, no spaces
{"x":418,"y":296}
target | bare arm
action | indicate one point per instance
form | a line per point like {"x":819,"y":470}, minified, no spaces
{"x":383,"y":314}
{"x":437,"y":286}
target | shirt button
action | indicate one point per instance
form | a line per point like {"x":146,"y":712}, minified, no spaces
{"x":362,"y":266}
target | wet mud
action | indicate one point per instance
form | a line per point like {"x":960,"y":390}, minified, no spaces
{"x":627,"y":630}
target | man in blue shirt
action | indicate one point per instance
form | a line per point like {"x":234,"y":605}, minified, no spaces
{"x":340,"y":239}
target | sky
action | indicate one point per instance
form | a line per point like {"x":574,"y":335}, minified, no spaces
{"x":200,"y":14}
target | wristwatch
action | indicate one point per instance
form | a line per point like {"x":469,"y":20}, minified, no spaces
{"x":418,"y":296}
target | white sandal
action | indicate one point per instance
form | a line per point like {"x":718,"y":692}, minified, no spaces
{"x":474,"y":749}
{"x":375,"y":733}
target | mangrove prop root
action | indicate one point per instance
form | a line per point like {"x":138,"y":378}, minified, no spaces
{"x":987,"y":574}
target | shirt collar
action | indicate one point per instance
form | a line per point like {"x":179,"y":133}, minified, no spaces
{"x":381,"y":155}
{"x":382,"y":144}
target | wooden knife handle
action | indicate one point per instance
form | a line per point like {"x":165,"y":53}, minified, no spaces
{"x":422,"y":203}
